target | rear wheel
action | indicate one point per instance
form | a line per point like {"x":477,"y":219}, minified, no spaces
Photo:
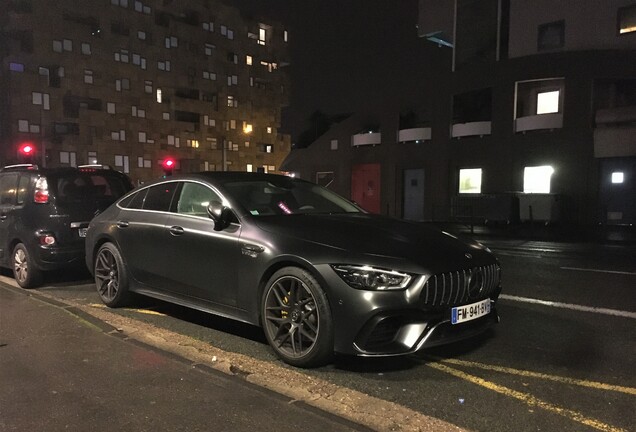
{"x":26,"y":274}
{"x":111,"y":278}
{"x":297,"y":319}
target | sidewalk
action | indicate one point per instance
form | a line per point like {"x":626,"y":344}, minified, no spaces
{"x":69,"y":371}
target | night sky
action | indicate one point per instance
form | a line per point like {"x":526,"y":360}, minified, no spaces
{"x":348,"y":54}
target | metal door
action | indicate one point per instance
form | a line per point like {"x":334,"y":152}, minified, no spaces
{"x":413,"y":205}
{"x":365,"y":186}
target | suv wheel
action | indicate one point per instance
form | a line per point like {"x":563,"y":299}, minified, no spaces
{"x":26,"y":274}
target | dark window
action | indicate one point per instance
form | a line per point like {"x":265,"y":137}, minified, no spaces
{"x":627,"y":19}
{"x":135,"y":201}
{"x":551,"y":36}
{"x":8,"y":184}
{"x":87,"y":186}
{"x":160,"y":196}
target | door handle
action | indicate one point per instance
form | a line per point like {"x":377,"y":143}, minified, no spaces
{"x":252,"y":248}
{"x":122,"y":224}
{"x":176,"y":230}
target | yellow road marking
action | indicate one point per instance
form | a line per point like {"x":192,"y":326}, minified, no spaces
{"x":530,"y":374}
{"x":141,"y":311}
{"x":528,"y":399}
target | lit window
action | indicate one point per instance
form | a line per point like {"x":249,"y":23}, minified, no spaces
{"x":86,"y":48}
{"x":159,"y":95}
{"x":110,"y":108}
{"x":269,"y":130}
{"x":247,"y":128}
{"x":250,"y":168}
{"x":141,"y":35}
{"x":618,"y":177}
{"x":285,"y":35}
{"x":68,"y":45}
{"x":261,"y":36}
{"x":470,"y":180}
{"x":88,"y":76}
{"x":334,"y":144}
{"x":627,"y":19}
{"x":248,"y":60}
{"x":16,"y":67}
{"x":537,"y":179}
{"x":548,"y":102}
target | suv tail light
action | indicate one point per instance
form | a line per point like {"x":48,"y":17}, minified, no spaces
{"x":41,"y":194}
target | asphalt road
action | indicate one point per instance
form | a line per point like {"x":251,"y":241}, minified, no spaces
{"x":562,"y":357}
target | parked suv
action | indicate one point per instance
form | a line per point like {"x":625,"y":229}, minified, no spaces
{"x":44,"y":214}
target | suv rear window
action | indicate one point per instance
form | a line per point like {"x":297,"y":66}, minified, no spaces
{"x":80,"y":186}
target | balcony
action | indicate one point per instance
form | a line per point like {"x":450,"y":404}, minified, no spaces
{"x":612,"y":116}
{"x":370,"y":138}
{"x":479,"y":128}
{"x":615,"y":132}
{"x":615,"y":141}
{"x":539,"y":122}
{"x":414,"y":134}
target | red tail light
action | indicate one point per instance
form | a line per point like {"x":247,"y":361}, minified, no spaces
{"x":41,"y":194}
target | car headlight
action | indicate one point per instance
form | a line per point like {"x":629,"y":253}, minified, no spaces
{"x":370,"y":278}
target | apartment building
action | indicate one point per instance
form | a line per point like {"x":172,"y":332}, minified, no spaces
{"x":530,"y":116}
{"x":131,"y":84}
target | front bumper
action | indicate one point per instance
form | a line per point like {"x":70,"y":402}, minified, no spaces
{"x":391,"y":323}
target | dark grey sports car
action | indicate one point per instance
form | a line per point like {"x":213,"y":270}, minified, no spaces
{"x":319,"y":274}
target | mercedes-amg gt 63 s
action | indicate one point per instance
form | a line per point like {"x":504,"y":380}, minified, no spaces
{"x":318,"y":273}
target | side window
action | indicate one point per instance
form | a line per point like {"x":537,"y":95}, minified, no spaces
{"x":23,"y":188}
{"x":8,"y":185}
{"x":134,"y":201}
{"x":160,"y":196}
{"x":194,"y":199}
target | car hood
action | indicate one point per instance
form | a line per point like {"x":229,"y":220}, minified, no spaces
{"x":381,"y":237}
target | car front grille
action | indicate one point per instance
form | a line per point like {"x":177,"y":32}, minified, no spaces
{"x":461,"y":286}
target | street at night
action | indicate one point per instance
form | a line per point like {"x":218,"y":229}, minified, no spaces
{"x":560,"y":359}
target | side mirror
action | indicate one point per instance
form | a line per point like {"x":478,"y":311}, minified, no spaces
{"x":217,"y":212}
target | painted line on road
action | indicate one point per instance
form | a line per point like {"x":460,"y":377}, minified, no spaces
{"x":599,"y":271}
{"x":141,"y":311}
{"x":580,"y":308}
{"x":528,"y":399}
{"x":529,"y":374}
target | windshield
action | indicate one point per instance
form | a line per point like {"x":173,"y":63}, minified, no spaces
{"x":287,"y":197}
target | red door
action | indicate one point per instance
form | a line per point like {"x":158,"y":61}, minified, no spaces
{"x":365,"y":186}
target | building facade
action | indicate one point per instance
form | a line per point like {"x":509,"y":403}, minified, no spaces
{"x":531,"y":116}
{"x":131,"y":83}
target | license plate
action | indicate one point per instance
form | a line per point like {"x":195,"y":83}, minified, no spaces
{"x":469,"y":312}
{"x":82,"y":232}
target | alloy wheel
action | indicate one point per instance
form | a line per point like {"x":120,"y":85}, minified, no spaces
{"x":107,"y":275}
{"x":291,"y":317}
{"x":20,"y":266}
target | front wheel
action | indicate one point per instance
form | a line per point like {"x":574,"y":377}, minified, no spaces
{"x":111,"y":278}
{"x":26,"y":274}
{"x":297,"y":319}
